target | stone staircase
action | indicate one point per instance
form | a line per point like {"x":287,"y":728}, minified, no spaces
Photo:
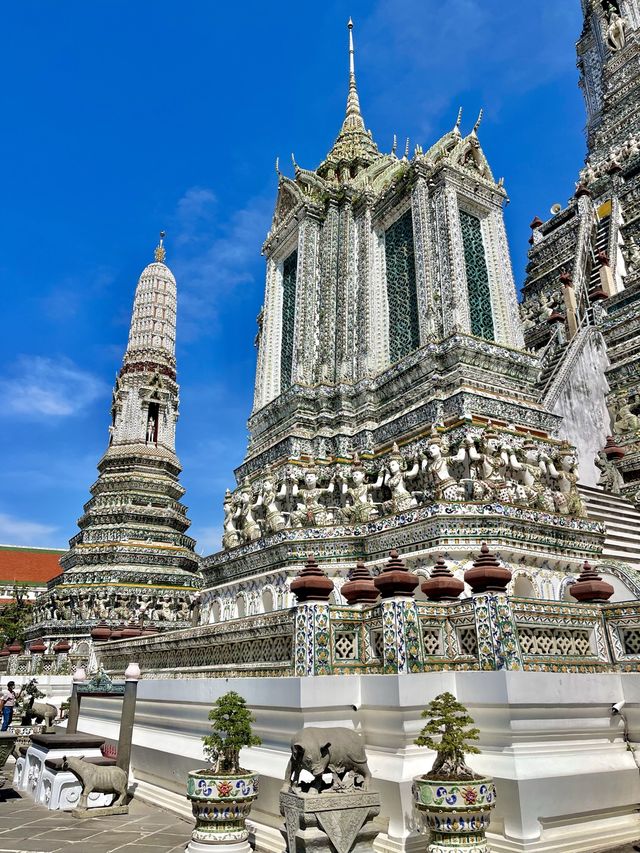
{"x":600,"y":244}
{"x":622,"y":520}
{"x":550,"y":367}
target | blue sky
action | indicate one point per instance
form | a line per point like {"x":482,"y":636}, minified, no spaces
{"x":123,"y":118}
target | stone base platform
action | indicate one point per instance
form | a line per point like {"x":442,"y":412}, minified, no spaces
{"x":99,"y":812}
{"x":38,"y":773}
{"x":324,"y":823}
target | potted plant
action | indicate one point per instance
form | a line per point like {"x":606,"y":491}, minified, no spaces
{"x":221,"y":796}
{"x":456,"y":801}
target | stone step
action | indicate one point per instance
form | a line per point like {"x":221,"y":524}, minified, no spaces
{"x":623,"y":527}
{"x":620,"y":556}
{"x":623,"y":546}
{"x":621,"y":516}
{"x":597,"y":496}
{"x":622,"y":523}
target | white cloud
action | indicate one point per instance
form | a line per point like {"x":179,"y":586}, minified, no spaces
{"x":17,"y":531}
{"x":440,"y":53}
{"x":208,"y":539}
{"x":215,"y":256}
{"x":194,"y":212}
{"x":41,"y":387}
{"x":74,"y":295}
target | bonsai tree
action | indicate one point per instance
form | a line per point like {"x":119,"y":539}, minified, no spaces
{"x":449,"y":719}
{"x":230,"y":731}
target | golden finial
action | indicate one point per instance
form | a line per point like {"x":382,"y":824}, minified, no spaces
{"x":160,"y":253}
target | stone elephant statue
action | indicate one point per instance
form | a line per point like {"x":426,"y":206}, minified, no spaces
{"x":338,"y":751}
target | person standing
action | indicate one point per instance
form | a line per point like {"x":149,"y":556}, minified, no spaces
{"x":8,"y":703}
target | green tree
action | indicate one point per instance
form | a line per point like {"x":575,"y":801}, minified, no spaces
{"x":449,"y":719}
{"x":230,"y":731}
{"x":15,"y":616}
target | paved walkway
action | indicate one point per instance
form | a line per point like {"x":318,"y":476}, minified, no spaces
{"x":27,"y":827}
{"x":630,"y":848}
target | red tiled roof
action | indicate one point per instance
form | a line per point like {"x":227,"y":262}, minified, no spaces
{"x":29,"y":565}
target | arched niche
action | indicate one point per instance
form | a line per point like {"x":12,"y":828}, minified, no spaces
{"x":566,"y":591}
{"x":267,"y":600}
{"x":523,"y":587}
{"x":215,"y":614}
{"x":241,"y":606}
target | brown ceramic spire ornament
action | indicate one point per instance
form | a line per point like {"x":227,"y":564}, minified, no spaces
{"x":101,"y":632}
{"x":360,"y":588}
{"x":612,"y":450}
{"x":590,"y":587}
{"x":395,"y":580}
{"x":486,"y":574}
{"x":312,"y":584}
{"x":442,"y":585}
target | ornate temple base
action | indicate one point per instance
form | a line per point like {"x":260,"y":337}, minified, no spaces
{"x":329,"y":822}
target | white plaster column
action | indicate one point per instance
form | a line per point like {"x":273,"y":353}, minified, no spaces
{"x":453,"y":276}
{"x":378,"y":306}
{"x":345,"y":296}
{"x":422,"y":251}
{"x":307,"y":283}
{"x":504,"y":302}
{"x":329,"y":247}
{"x":268,"y":371}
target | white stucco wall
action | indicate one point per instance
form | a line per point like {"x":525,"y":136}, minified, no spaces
{"x":582,"y":405}
{"x":565,"y":779}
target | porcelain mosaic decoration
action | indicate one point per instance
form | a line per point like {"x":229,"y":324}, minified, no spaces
{"x":221,"y":804}
{"x":457,"y":814}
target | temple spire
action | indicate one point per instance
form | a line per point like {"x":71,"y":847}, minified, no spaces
{"x":354,"y":144}
{"x":152,"y":333}
{"x":160,"y":253}
{"x":353,"y":102}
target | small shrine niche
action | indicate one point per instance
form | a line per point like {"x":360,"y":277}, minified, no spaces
{"x":153,"y":414}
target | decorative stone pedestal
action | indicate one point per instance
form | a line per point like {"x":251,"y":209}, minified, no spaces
{"x":7,"y":744}
{"x":457,"y":813}
{"x":220,"y":806}
{"x":31,"y":771}
{"x":330,"y":822}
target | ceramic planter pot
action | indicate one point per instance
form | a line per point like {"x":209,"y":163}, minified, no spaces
{"x":456,"y":813}
{"x":221,"y":803}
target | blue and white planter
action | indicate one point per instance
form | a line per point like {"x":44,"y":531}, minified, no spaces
{"x":457,"y":814}
{"x":221,"y":804}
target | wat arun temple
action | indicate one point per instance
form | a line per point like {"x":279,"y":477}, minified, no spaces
{"x":441,"y":489}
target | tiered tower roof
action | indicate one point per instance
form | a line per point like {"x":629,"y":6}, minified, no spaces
{"x":132,"y":559}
